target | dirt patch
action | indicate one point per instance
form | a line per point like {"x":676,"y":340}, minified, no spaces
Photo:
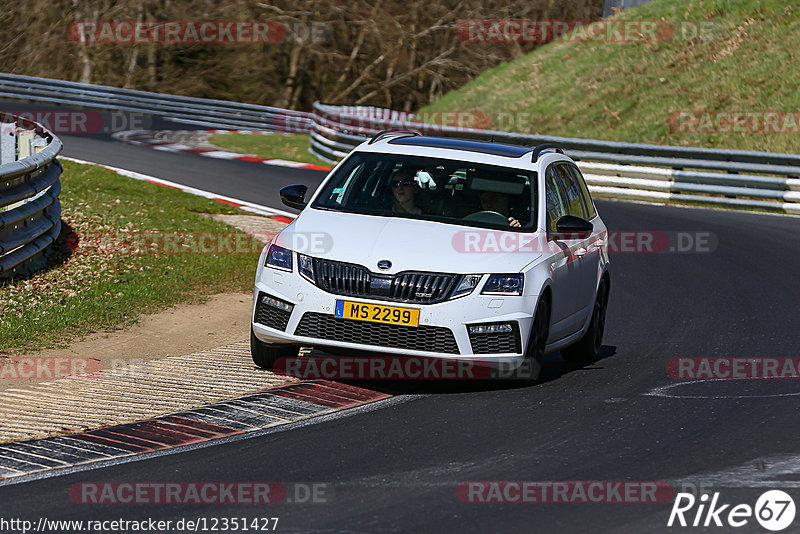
{"x":262,"y":228}
{"x":221,"y":320}
{"x":184,"y":329}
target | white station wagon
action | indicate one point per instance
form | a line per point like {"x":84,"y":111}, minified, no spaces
{"x":438,"y":248}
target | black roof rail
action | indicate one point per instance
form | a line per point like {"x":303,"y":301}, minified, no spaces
{"x":541,"y":148}
{"x":383,"y":133}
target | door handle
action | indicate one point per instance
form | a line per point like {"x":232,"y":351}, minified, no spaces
{"x":579,"y":252}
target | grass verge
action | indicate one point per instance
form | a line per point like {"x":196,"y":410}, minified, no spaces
{"x":292,"y":147}
{"x":134,"y":248}
{"x":725,"y":56}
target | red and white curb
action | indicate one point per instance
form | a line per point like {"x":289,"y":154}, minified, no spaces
{"x":259,"y":411}
{"x":148,"y":139}
{"x":279,"y":215}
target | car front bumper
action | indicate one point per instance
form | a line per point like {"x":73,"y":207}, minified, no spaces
{"x":442,"y":331}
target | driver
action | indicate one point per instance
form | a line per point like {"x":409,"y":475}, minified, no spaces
{"x":499,"y":202}
{"x":404,"y":188}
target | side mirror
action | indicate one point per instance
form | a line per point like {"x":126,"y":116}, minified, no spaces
{"x":571,"y":227}
{"x":294,"y":196}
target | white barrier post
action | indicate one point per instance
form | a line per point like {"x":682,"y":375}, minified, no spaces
{"x":37,"y":145}
{"x":24,"y":138}
{"x":8,"y":142}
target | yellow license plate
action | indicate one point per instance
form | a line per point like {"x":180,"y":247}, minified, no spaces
{"x":376,"y":313}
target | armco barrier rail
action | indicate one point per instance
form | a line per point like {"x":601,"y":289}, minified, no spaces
{"x":624,"y":170}
{"x":220,"y":114}
{"x":30,"y":212}
{"x":732,"y":178}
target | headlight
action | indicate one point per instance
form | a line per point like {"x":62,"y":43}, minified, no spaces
{"x":305,"y":265}
{"x":504,"y":284}
{"x":279,"y":258}
{"x":466,"y":285}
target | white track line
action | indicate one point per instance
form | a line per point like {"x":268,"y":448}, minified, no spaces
{"x":243,"y":204}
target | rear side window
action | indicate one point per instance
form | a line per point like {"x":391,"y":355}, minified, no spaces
{"x":572,"y":192}
{"x":556,"y":208}
{"x":587,"y":198}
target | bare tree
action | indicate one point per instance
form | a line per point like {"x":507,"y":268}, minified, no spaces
{"x":402,"y":54}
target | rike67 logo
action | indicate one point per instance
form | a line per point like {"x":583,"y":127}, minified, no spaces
{"x":774,"y":510}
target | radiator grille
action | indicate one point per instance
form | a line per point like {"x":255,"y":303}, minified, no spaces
{"x":354,"y":280}
{"x":422,"y":338}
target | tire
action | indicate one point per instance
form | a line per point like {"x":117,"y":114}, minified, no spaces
{"x":531,"y":366}
{"x":587,"y":349}
{"x":265,"y":355}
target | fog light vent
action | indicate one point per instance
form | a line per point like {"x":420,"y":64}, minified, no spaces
{"x":494,"y":338}
{"x":490,"y":328}
{"x":273,"y":312}
{"x":275,"y":303}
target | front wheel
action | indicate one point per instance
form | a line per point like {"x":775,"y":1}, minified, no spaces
{"x":265,"y":355}
{"x":531,"y":367}
{"x":587,"y":349}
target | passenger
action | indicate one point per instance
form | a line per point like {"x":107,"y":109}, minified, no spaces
{"x":499,"y":202}
{"x":404,"y":188}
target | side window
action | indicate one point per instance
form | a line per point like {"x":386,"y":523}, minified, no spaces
{"x":365,"y":188}
{"x":587,"y":198}
{"x":554,"y":197}
{"x":338,"y":194}
{"x":572,"y":193}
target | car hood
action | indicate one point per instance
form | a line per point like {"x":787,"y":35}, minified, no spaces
{"x":409,"y":244}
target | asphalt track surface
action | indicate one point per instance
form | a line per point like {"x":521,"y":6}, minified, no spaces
{"x":395,"y":468}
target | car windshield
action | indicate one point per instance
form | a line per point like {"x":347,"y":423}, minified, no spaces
{"x":434,"y":189}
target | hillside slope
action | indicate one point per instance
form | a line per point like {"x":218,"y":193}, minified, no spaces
{"x":710,"y":59}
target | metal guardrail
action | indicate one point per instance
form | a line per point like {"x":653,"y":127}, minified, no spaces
{"x":30,"y":212}
{"x":612,"y":169}
{"x":221,"y":114}
{"x":627,"y":170}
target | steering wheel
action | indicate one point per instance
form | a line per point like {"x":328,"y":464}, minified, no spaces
{"x":491,"y":217}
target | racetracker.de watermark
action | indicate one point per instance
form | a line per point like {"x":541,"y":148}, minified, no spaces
{"x":197,"y":31}
{"x":168,"y":242}
{"x":732,"y":368}
{"x":464,"y":119}
{"x":732,"y":121}
{"x":381,"y":368}
{"x":205,"y":493}
{"x":79,"y":122}
{"x":427,"y":122}
{"x":48,"y":368}
{"x":574,"y":492}
{"x":610,"y":30}
{"x":375,"y":367}
{"x":619,"y":242}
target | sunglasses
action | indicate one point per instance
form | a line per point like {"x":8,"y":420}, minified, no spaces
{"x":398,"y":183}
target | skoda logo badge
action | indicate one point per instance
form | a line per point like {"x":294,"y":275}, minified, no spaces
{"x":384,"y":265}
